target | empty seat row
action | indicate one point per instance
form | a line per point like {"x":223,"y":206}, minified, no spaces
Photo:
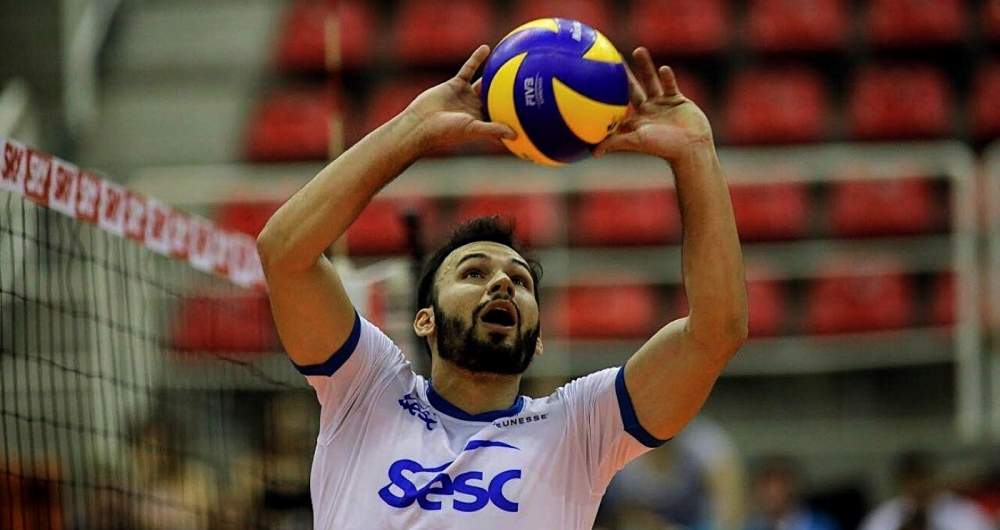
{"x":293,"y":124}
{"x":848,"y":208}
{"x":331,"y":34}
{"x":842,"y":300}
{"x":896,"y":101}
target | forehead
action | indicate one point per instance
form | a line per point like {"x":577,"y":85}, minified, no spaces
{"x":494,"y":251}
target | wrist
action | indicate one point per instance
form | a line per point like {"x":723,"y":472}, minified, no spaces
{"x":406,"y":135}
{"x":698,"y":149}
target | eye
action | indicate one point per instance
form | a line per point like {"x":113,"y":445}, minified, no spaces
{"x":520,"y":280}
{"x":472,"y":273}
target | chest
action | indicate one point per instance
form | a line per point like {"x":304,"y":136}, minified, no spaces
{"x":429,"y":461}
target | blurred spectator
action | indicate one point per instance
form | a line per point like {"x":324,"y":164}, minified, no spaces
{"x":986,"y":492}
{"x":154,"y":484}
{"x":923,"y":504}
{"x":694,"y":482}
{"x":291,"y":428}
{"x":30,"y":495}
{"x":177,"y":492}
{"x":241,"y":500}
{"x":777,"y":491}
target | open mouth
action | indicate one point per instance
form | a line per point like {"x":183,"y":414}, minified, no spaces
{"x":500,"y":313}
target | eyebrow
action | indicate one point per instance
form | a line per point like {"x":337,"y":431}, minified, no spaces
{"x":483,"y":255}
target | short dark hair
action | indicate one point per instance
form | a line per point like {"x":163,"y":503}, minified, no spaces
{"x":492,"y":228}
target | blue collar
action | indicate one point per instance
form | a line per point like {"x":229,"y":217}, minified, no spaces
{"x":444,"y":406}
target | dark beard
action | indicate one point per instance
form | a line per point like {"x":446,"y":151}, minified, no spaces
{"x":464,"y":349}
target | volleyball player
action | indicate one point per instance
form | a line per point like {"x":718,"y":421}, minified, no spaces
{"x":463,"y":449}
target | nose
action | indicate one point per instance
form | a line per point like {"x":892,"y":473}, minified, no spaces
{"x":501,"y":283}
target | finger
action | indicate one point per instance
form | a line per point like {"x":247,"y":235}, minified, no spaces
{"x":491,"y":130}
{"x":472,"y":64}
{"x":636,"y":94}
{"x":477,"y":87}
{"x":617,"y":142}
{"x":646,"y":73}
{"x":669,"y":82}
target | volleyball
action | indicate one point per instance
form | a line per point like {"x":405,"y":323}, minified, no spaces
{"x":560,"y":84}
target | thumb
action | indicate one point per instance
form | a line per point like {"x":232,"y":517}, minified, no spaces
{"x":617,"y":142}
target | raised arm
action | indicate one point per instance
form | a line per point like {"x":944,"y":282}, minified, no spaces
{"x":311,"y":309}
{"x":671,"y":375}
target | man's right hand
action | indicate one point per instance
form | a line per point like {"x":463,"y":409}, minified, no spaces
{"x":312,"y":311}
{"x":452,"y":112}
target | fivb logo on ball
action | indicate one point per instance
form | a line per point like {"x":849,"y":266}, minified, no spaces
{"x":560,"y":84}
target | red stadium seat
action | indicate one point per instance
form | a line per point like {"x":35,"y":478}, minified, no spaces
{"x":301,"y":41}
{"x":218,"y":323}
{"x":594,"y":13}
{"x":693,"y":87}
{"x":899,"y":101}
{"x":854,"y":298}
{"x":984,"y":103}
{"x":943,"y":304}
{"x":296,"y":124}
{"x":317,"y":35}
{"x":680,"y":26}
{"x":350,"y":45}
{"x":537,"y":216}
{"x":441,"y":31}
{"x":767,"y":298}
{"x":797,"y":25}
{"x":391,"y":98}
{"x":991,"y":19}
{"x":776,"y":105}
{"x":893,"y":23}
{"x":884,"y":207}
{"x":625,"y":217}
{"x":381,"y":227}
{"x":619,"y":311}
{"x":248,"y":217}
{"x":771,"y":211}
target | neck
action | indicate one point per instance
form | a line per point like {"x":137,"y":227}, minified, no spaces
{"x":473,"y":392}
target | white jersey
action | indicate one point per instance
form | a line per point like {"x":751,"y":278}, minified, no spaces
{"x":392,"y":453}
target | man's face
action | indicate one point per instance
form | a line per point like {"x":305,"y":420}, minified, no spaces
{"x":486,"y":315}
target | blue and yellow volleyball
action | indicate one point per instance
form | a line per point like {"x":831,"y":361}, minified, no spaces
{"x":560,"y":84}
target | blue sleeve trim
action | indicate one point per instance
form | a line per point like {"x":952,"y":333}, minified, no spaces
{"x":629,"y":418}
{"x":339,"y":357}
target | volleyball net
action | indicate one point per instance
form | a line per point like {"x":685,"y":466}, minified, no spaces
{"x":141,"y":381}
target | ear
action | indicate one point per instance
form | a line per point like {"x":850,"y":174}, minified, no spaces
{"x":539,"y":347}
{"x":423,"y":323}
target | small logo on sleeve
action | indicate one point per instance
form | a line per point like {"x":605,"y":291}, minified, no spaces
{"x":411,"y":405}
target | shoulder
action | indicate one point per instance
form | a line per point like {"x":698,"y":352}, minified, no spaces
{"x":589,"y":384}
{"x":580,"y":393}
